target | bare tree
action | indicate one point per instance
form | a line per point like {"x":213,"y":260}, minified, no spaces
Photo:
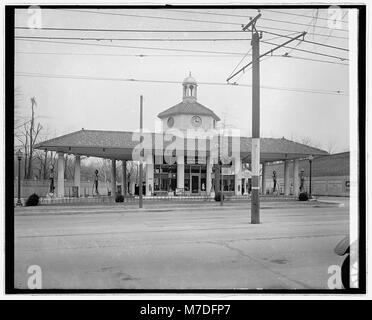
{"x":28,"y":138}
{"x":18,"y":121}
{"x":39,"y":156}
{"x":27,"y":134}
{"x":69,"y":167}
{"x":132,"y":171}
{"x":225,"y":124}
{"x":331,"y":146}
{"x":308,"y":142}
{"x":105,"y":171}
{"x":33,"y":133}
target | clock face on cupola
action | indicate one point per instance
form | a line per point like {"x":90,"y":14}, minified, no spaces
{"x":196,"y":121}
{"x":170,"y":122}
{"x":189,"y":114}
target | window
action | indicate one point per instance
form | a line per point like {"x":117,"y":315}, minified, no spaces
{"x":195,"y":169}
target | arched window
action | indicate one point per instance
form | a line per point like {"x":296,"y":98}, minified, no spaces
{"x":191,"y":88}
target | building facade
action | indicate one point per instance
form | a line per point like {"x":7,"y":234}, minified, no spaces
{"x":330,"y":175}
{"x":190,"y":156}
{"x":190,"y":174}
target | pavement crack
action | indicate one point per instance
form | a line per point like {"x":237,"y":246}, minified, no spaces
{"x":280,"y":275}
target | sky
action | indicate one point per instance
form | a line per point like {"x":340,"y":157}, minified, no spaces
{"x":98,"y":100}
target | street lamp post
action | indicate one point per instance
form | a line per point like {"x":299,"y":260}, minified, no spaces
{"x":19,"y":157}
{"x":220,"y":169}
{"x":221,"y":185}
{"x":311,"y":158}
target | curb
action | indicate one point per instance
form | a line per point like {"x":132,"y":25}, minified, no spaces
{"x":216,"y":207}
{"x":338,"y":203}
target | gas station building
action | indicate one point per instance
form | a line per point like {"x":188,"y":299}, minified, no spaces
{"x":195,"y":167}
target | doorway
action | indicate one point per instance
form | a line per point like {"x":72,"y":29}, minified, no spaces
{"x":195,"y":184}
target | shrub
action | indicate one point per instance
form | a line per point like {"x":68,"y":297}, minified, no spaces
{"x":119,"y":198}
{"x":217,"y":196}
{"x":33,"y":200}
{"x":303,"y":196}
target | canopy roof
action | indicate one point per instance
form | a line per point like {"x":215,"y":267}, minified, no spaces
{"x":120,"y":144}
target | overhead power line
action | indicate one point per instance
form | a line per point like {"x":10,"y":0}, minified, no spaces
{"x":264,"y":54}
{"x":241,"y":60}
{"x":151,"y":17}
{"x":246,"y":16}
{"x":130,"y":47}
{"x":308,"y":51}
{"x":129,"y":30}
{"x":22,"y":124}
{"x":190,"y":20}
{"x":299,"y":15}
{"x":126,"y":55}
{"x":169,"y":55}
{"x":130,"y":39}
{"x":330,"y":33}
{"x":310,"y":33}
{"x":309,"y":59}
{"x":79,"y":77}
{"x":168,"y":49}
{"x":308,"y":41}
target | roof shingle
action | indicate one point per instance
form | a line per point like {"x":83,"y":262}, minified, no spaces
{"x":188,"y":107}
{"x":123,"y":140}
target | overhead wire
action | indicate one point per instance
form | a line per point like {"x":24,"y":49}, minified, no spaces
{"x":130,"y":39}
{"x":130,"y":47}
{"x":150,"y":17}
{"x":244,"y":16}
{"x":308,"y":51}
{"x":309,"y":41}
{"x":127,"y":30}
{"x":181,"y":19}
{"x":299,"y":15}
{"x":79,"y":77}
{"x":241,"y":60}
{"x":168,"y":55}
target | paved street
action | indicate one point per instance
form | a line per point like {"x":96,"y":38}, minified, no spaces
{"x":195,"y":246}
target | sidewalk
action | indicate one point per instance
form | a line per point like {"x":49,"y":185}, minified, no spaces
{"x":162,"y":207}
{"x":340,"y":201}
{"x":105,"y":200}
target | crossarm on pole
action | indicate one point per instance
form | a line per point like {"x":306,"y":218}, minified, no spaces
{"x":266,"y":53}
{"x":252,"y":22}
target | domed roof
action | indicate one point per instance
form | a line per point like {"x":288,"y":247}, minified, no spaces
{"x":189,"y":79}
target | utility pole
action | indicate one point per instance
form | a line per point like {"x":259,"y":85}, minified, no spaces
{"x":141,"y":155}
{"x":255,"y":152}
{"x":220,"y":167}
